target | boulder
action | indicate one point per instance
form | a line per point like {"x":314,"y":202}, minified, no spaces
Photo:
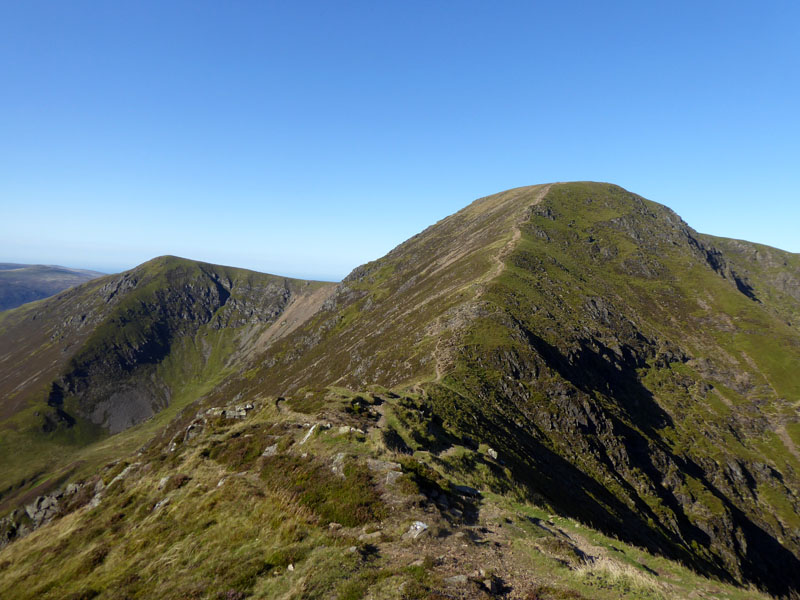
{"x":381,"y":466}
{"x":337,"y":466}
{"x":194,"y":429}
{"x":417,"y":529}
{"x":465,"y":490}
{"x":392,"y":477}
{"x":270,"y":450}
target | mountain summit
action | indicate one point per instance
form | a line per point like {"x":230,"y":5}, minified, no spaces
{"x":569,"y":346}
{"x":634,"y":373}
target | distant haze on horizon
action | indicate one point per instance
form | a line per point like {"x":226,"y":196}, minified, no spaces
{"x":307,"y":138}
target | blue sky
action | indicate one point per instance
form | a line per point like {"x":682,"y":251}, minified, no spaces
{"x":305,"y":138}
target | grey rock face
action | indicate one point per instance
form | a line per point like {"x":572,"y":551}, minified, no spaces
{"x":43,"y":509}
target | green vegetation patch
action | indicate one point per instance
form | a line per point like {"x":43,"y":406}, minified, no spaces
{"x":350,"y":500}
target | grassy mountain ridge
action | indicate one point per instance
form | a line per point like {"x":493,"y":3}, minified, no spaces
{"x":112,"y":353}
{"x":648,"y":380}
{"x":641,"y":378}
{"x":571,"y":349}
{"x":406,"y":297}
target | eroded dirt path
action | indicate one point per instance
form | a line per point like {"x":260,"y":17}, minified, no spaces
{"x":780,"y":430}
{"x":500,"y":259}
{"x":442,"y":352}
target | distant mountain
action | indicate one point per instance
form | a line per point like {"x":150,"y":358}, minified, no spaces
{"x":104,"y":356}
{"x":553,"y":393}
{"x":25,"y":283}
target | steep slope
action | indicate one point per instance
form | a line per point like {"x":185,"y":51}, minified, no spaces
{"x":636,"y":379}
{"x":102,"y":357}
{"x":25,"y":283}
{"x":391,"y":321}
{"x":632,"y":373}
{"x":774,"y":274}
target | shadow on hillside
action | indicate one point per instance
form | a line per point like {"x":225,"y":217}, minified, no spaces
{"x":596,"y":369}
{"x":763,"y":559}
{"x":617,"y":421}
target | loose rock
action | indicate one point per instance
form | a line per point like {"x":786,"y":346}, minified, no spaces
{"x":392,"y":477}
{"x":270,"y":450}
{"x":309,"y":434}
{"x":417,"y":529}
{"x":380,"y":466}
{"x":337,"y":466}
{"x":465,"y":490}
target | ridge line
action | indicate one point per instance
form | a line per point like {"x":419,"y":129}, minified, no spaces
{"x":511,"y":244}
{"x":439,"y":354}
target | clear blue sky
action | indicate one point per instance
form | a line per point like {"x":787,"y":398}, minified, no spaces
{"x":305,"y":138}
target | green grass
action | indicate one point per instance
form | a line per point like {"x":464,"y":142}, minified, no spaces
{"x":621,"y":571}
{"x":215,"y":520}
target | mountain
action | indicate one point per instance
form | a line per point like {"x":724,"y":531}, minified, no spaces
{"x":25,"y":283}
{"x":553,"y":381}
{"x":102,"y":357}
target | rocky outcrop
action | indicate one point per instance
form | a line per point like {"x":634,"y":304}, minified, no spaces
{"x":44,"y":509}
